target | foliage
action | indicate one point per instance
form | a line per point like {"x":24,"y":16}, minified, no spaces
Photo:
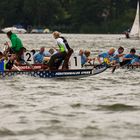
{"x":83,"y":16}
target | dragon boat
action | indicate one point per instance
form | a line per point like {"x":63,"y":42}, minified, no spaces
{"x":37,"y":71}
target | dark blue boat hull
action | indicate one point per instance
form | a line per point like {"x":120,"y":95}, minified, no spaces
{"x":56,"y":74}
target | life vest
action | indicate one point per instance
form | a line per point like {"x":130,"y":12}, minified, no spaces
{"x":66,"y":43}
{"x":9,"y":65}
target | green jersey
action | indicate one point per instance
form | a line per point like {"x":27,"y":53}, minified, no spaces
{"x":16,"y":43}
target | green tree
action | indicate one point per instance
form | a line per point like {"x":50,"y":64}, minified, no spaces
{"x":85,"y":16}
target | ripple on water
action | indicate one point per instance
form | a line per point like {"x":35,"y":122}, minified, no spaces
{"x":100,"y":107}
{"x":117,"y":107}
{"x":9,"y":106}
{"x":6,"y":132}
{"x":77,"y":105}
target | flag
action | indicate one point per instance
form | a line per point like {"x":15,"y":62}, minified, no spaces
{"x":2,"y":66}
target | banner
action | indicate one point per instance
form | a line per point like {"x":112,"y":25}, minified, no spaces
{"x":2,"y":66}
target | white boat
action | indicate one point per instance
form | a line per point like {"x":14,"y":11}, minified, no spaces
{"x":135,"y":30}
{"x":46,"y":30}
{"x":14,"y":30}
{"x":37,"y":31}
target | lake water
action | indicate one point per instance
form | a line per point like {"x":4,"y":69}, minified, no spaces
{"x":100,"y":107}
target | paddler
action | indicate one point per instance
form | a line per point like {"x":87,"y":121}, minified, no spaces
{"x":118,"y":54}
{"x":16,"y":45}
{"x":10,"y":62}
{"x":131,"y":58}
{"x":42,"y":56}
{"x":106,"y":56}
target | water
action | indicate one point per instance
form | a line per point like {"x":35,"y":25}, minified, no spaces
{"x":101,"y":107}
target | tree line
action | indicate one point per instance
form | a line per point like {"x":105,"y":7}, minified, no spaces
{"x":72,"y":16}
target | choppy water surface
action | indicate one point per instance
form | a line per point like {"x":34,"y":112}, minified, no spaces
{"x":101,"y":107}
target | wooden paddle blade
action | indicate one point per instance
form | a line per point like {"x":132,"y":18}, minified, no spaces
{"x":114,"y":68}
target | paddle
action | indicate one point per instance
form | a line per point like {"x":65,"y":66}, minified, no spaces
{"x":121,"y":64}
{"x":28,"y":64}
{"x":17,"y":68}
{"x":114,"y":68}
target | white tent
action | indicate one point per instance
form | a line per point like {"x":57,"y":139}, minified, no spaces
{"x":14,"y":30}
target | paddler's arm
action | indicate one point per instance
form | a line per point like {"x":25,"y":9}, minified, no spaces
{"x":99,"y":60}
{"x":124,"y":59}
{"x":3,"y":58}
{"x":119,"y":55}
{"x":55,"y":48}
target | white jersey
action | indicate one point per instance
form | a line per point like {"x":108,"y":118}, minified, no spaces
{"x":119,"y":59}
{"x":116,"y":53}
{"x":61,"y":43}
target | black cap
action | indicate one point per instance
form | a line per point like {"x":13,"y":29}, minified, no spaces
{"x":132,"y":50}
{"x":9,"y":33}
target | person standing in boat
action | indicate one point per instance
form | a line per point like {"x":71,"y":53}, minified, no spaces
{"x":17,"y":45}
{"x":63,"y":53}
